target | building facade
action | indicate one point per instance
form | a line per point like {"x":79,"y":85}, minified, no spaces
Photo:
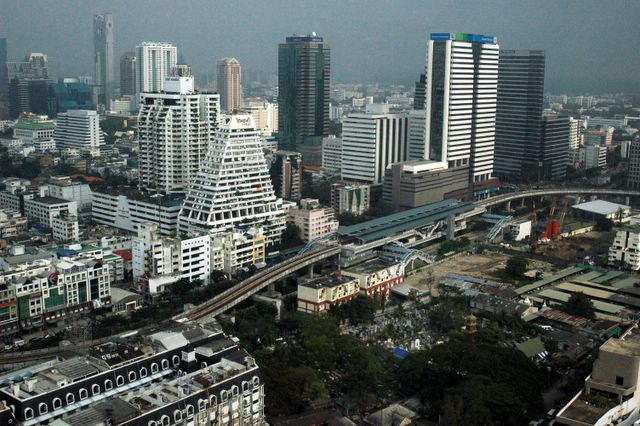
{"x":78,"y":129}
{"x":317,"y":295}
{"x":304,"y":68}
{"x":633,"y":171}
{"x":353,"y":198}
{"x":128,"y":74}
{"x":332,"y":155}
{"x":229,"y":79}
{"x":519,"y":114}
{"x":174,"y":129}
{"x":313,"y":220}
{"x":43,"y":210}
{"x":625,"y":250}
{"x":554,"y":148}
{"x":154,"y":62}
{"x":103,"y":57}
{"x":286,"y":175}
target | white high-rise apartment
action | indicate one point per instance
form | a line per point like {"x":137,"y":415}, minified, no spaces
{"x":103,"y":56}
{"x":174,"y":129}
{"x":462,"y":84}
{"x":233,"y":187}
{"x":79,"y":129}
{"x":574,"y":133}
{"x":154,"y":62}
{"x":370,"y":142}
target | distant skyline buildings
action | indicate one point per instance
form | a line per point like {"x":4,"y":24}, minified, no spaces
{"x":154,"y":62}
{"x":229,"y":83}
{"x":128,"y":74}
{"x":4,"y":82}
{"x":103,"y":57}
{"x":304,"y":74}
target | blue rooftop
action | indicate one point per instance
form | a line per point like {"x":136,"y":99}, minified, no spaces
{"x":396,"y":223}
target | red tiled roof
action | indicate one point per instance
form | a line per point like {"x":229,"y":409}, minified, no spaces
{"x":124,"y":254}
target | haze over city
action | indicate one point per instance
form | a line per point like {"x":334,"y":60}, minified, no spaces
{"x":588,"y":43}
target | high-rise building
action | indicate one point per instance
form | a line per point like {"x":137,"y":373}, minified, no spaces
{"x":303,"y":95}
{"x":420,"y":92}
{"x":633,"y":175}
{"x":518,"y":149}
{"x":128,"y":74}
{"x":103,"y":56}
{"x":154,"y":62}
{"x":574,"y":133}
{"x":28,"y":95}
{"x":332,"y":155}
{"x":174,"y":129}
{"x":34,"y":66}
{"x":370,"y":142}
{"x":554,"y":148}
{"x":460,"y":104}
{"x":230,"y":84}
{"x":66,"y":96}
{"x":265,"y":114}
{"x":286,"y":174}
{"x":4,"y":82}
{"x":78,"y":129}
{"x":233,"y":187}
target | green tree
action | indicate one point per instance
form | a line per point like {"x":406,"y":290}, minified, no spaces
{"x":603,"y":224}
{"x":291,"y":235}
{"x":517,"y":265}
{"x":580,"y":305}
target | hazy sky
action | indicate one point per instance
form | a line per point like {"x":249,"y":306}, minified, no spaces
{"x":592,"y":45}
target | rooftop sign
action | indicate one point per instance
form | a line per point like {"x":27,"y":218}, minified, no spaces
{"x":471,"y":38}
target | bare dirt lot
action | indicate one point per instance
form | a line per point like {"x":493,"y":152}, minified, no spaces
{"x":575,"y":248}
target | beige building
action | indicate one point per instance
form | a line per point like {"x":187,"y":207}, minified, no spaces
{"x":230,"y":84}
{"x":376,"y":277}
{"x":313,"y":220}
{"x":317,"y":295}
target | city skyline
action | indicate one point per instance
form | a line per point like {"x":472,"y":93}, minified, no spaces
{"x":580,"y":62}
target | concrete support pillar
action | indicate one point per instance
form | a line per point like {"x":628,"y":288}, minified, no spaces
{"x":627,"y":200}
{"x":509,"y":205}
{"x":451,"y":227}
{"x":311,"y":271}
{"x":522,"y":202}
{"x":271,"y":289}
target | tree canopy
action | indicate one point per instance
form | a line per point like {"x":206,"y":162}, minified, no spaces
{"x":580,"y":305}
{"x":517,"y":265}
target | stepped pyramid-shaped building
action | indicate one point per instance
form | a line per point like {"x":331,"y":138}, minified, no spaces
{"x":233,"y":188}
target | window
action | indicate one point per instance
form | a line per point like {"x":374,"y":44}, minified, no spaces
{"x":43,"y":408}
{"x":95,"y":389}
{"x":28,"y":413}
{"x":83,"y":394}
{"x":57,"y":403}
{"x":154,"y":368}
{"x":132,"y":376}
{"x":177,"y":416}
{"x":70,"y":398}
{"x":165,"y":364}
{"x":619,"y":380}
{"x":165,"y":420}
{"x":119,"y":380}
{"x":176,"y":360}
{"x":108,"y":384}
{"x":190,"y":410}
{"x":143,"y":372}
{"x":202,"y":404}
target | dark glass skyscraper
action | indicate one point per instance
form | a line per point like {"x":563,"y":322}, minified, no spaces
{"x":518,"y":149}
{"x":128,"y":74}
{"x":4,"y":83}
{"x":554,"y":148}
{"x":304,"y":64}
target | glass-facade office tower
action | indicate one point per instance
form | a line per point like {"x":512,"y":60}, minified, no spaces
{"x":303,"y":96}
{"x":460,"y":103}
{"x":519,"y":152}
{"x":128,"y":74}
{"x":103,"y":56}
{"x":4,"y":82}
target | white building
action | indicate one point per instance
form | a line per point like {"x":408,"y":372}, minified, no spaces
{"x":233,"y":185}
{"x":174,"y":129}
{"x":65,"y":228}
{"x":124,"y":106}
{"x":45,"y":145}
{"x":128,"y":212}
{"x":574,"y":133}
{"x":79,"y":129}
{"x":34,"y":128}
{"x":461,"y":95}
{"x":63,"y":187}
{"x":317,"y":295}
{"x":154,"y":62}
{"x":625,"y":250}
{"x":265,"y":115}
{"x":332,"y":155}
{"x":350,"y":198}
{"x":42,"y":210}
{"x":238,"y":249}
{"x":370,"y":142}
{"x":313,"y":220}
{"x":595,"y":156}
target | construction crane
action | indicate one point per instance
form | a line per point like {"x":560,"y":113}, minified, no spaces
{"x":563,"y":213}
{"x":553,"y":228}
{"x":533,"y":240}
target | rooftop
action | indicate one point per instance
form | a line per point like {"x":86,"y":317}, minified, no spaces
{"x":369,"y":266}
{"x":50,"y":200}
{"x":601,"y":207}
{"x":325,"y":281}
{"x":135,"y":194}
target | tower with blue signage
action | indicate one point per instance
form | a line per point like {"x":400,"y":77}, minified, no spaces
{"x":460,"y":106}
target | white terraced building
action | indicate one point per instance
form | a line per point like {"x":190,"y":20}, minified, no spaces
{"x":233,"y":186}
{"x":174,"y":129}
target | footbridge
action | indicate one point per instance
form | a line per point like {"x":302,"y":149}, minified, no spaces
{"x":258,"y":281}
{"x":504,"y":198}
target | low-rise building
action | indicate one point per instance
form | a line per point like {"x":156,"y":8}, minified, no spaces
{"x":12,"y":223}
{"x":376,"y":277}
{"x":317,"y":295}
{"x":42,"y":210}
{"x":625,"y":250}
{"x":238,"y":249}
{"x":593,"y":210}
{"x":595,"y":156}
{"x":65,"y":228}
{"x":313,"y":220}
{"x":351,"y":198}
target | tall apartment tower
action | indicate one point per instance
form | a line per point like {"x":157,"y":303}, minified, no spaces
{"x":174,"y":129}
{"x":633,"y":175}
{"x":154,"y":62}
{"x":128,"y":74}
{"x":4,"y":81}
{"x":303,"y":95}
{"x":229,"y":78}
{"x":518,"y":149}
{"x":233,"y":187}
{"x":103,"y":56}
{"x":460,"y":104}
{"x":78,"y":129}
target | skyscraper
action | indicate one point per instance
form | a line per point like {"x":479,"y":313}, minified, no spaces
{"x":4,"y":82}
{"x":174,"y":129}
{"x":303,"y":95}
{"x":128,"y":74}
{"x":554,"y":148}
{"x":460,"y":104}
{"x":103,"y":56}
{"x":229,"y":78}
{"x":233,"y":187}
{"x":518,"y":149}
{"x":154,"y":62}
